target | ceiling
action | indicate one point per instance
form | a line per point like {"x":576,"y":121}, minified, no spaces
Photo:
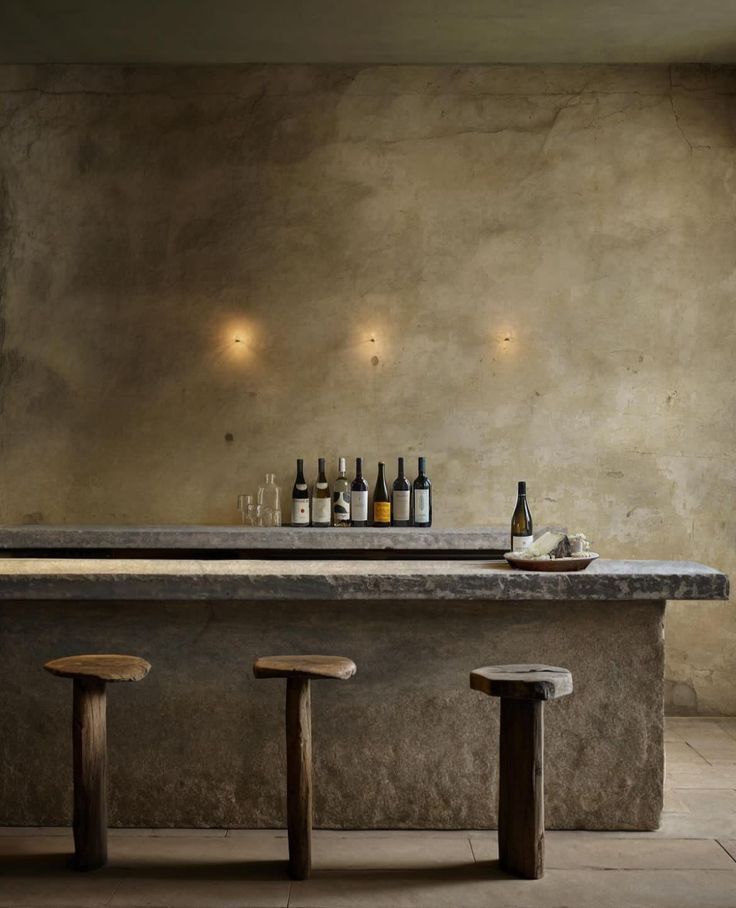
{"x":367,"y":31}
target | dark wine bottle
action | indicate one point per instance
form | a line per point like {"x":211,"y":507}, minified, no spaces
{"x":521,"y":523}
{"x":300,"y":498}
{"x":422,"y":497}
{"x":359,"y":497}
{"x":401,"y":499}
{"x":321,"y":498}
{"x":381,"y":500}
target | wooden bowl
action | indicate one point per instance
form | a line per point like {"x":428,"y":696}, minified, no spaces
{"x":574,"y":563}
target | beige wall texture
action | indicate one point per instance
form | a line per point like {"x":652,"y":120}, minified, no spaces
{"x":521,"y":272}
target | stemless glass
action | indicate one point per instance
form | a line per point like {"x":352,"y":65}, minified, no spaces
{"x":250,"y":512}
{"x":269,"y":501}
{"x":244,"y":503}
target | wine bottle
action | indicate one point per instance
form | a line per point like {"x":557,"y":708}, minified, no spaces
{"x":381,"y":500}
{"x":321,"y":497}
{"x":300,"y":498}
{"x":341,"y":497}
{"x":521,"y":523}
{"x":359,"y":497}
{"x":401,"y":499}
{"x":422,"y":497}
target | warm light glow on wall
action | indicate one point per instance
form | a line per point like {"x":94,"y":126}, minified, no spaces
{"x":237,"y":340}
{"x":374,"y":345}
{"x":506,"y":342}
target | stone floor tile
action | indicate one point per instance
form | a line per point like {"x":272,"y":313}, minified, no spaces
{"x":680,"y":753}
{"x":730,"y":846}
{"x":203,"y":891}
{"x":485,"y":885}
{"x":711,"y":813}
{"x":708,"y":776}
{"x":601,"y":851}
{"x":702,"y":731}
{"x":166,"y":832}
{"x":355,"y":851}
{"x":265,"y":852}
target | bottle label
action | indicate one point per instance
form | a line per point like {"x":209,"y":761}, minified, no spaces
{"x":401,"y":503}
{"x":421,"y":505}
{"x":341,"y":505}
{"x":300,"y":512}
{"x":519,"y":543}
{"x":321,"y":510}
{"x":359,"y":505}
{"x":382,"y":512}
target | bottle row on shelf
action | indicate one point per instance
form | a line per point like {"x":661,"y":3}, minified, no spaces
{"x":346,"y":504}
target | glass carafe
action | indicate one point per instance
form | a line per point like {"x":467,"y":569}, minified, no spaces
{"x":269,"y":502}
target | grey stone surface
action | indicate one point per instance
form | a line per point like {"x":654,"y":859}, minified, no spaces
{"x":405,"y":743}
{"x":247,"y":579}
{"x":474,"y":539}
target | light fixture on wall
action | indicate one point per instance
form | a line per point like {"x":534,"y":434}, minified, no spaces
{"x":235,"y":342}
{"x":506,"y":342}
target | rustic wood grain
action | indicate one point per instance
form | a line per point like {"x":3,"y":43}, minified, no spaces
{"x":89,"y":733}
{"x":521,"y":788}
{"x":324,"y":667}
{"x":105,"y":666}
{"x":299,"y":776}
{"x":523,"y":682}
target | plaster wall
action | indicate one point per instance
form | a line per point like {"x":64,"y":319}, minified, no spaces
{"x":521,"y":272}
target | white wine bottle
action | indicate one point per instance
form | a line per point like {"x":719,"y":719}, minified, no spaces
{"x":521,"y":523}
{"x":321,"y":497}
{"x":422,"y":497}
{"x":300,"y":498}
{"x":359,"y":497}
{"x":341,"y":497}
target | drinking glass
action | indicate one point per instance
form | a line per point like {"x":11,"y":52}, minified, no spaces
{"x":269,"y":501}
{"x":250,"y":512}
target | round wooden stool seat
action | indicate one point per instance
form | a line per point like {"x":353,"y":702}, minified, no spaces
{"x":315,"y":667}
{"x":522,"y":682}
{"x":299,"y":672}
{"x":104,"y":667}
{"x":91,"y":674}
{"x":522,"y":690}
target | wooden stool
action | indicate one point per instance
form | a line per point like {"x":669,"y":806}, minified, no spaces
{"x":299,"y":671}
{"x":523,"y":690}
{"x":89,"y":734}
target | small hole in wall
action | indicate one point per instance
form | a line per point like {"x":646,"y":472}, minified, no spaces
{"x":229,"y":437}
{"x":375,"y":360}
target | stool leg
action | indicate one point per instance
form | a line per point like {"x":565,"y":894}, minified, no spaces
{"x":299,"y":776}
{"x":89,"y":734}
{"x":521,"y":788}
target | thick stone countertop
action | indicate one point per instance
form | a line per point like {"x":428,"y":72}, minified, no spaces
{"x":243,"y":538}
{"x":188,"y":579}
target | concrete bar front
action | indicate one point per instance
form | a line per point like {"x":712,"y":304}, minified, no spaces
{"x":404,"y":744}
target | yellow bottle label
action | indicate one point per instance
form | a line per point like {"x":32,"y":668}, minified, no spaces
{"x":382,"y":512}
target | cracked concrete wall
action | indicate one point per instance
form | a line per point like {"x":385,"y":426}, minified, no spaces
{"x":521,"y":272}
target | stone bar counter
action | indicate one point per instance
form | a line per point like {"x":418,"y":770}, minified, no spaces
{"x":404,"y":744}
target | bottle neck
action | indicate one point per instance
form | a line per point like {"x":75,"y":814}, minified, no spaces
{"x":401,"y":467}
{"x":358,"y":467}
